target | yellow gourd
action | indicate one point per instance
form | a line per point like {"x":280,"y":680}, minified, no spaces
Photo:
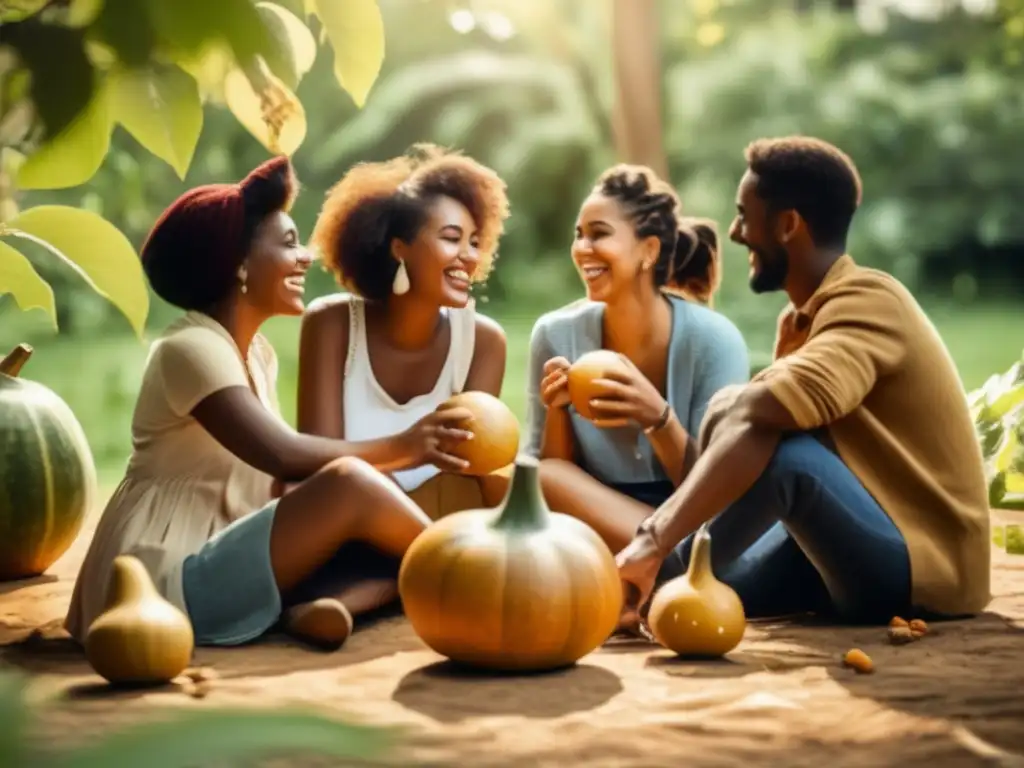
{"x":518,"y":588}
{"x":696,"y":614}
{"x":584,"y":372}
{"x":495,"y":432}
{"x":140,"y":638}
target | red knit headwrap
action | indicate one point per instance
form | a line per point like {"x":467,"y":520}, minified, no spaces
{"x":195,"y":248}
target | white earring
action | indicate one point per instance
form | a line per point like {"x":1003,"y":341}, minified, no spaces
{"x":243,"y":276}
{"x":401,"y":282}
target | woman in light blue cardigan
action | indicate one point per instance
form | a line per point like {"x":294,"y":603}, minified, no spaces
{"x":649,"y":274}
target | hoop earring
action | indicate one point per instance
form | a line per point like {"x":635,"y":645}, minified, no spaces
{"x":400,"y":284}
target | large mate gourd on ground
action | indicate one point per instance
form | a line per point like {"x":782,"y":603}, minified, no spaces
{"x":518,"y":588}
{"x":140,"y":638}
{"x":495,"y":432}
{"x":47,"y":474}
{"x":696,"y":614}
{"x":583,"y":374}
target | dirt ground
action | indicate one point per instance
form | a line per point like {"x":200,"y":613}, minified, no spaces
{"x":955,"y":698}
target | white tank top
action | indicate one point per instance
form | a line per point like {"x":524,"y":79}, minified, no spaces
{"x":371,"y":413}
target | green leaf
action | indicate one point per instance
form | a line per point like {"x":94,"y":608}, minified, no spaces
{"x":356,"y":31}
{"x":62,"y":83}
{"x":19,"y":278}
{"x":189,"y":26}
{"x":160,"y":107}
{"x":16,"y":10}
{"x":73,"y":156}
{"x":293,"y":48}
{"x":274,"y":115}
{"x":14,"y":717}
{"x":215,"y":737}
{"x":94,"y":248}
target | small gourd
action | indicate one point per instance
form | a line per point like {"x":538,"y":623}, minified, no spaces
{"x":583,"y":374}
{"x":495,"y":432}
{"x":141,"y":638}
{"x":696,"y":614}
{"x":517,"y":588}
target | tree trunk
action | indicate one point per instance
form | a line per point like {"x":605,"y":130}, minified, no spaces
{"x":636,"y":51}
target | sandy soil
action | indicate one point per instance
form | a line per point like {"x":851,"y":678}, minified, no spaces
{"x":955,"y":698}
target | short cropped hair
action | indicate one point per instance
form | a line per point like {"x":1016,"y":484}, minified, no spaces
{"x":814,"y":178}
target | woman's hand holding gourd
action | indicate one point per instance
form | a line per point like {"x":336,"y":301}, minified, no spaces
{"x":629,"y":396}
{"x":554,"y":386}
{"x":429,"y":440}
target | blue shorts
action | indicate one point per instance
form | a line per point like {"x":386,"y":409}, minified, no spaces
{"x":229,"y":585}
{"x":230,"y":590}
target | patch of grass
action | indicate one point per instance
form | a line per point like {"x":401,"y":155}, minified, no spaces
{"x":99,"y":377}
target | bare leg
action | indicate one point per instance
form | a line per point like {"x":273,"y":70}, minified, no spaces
{"x":570,"y":490}
{"x":346,"y":501}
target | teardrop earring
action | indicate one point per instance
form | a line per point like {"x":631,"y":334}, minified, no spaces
{"x":400,"y":284}
{"x":242,"y":277}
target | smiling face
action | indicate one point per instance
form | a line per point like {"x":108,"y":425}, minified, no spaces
{"x":754,"y":228}
{"x":443,"y":257}
{"x":609,"y":256}
{"x":275,"y":269}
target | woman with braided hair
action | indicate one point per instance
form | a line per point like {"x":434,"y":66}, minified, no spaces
{"x":196,"y":505}
{"x":407,"y":238}
{"x":649,"y":275}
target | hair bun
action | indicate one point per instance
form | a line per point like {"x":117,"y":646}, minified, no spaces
{"x":261,"y":189}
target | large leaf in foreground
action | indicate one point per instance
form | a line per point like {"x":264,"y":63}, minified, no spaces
{"x":211,"y":738}
{"x":73,"y":156}
{"x":356,"y":31}
{"x":19,"y":278}
{"x":95,"y":249}
{"x":160,"y":107}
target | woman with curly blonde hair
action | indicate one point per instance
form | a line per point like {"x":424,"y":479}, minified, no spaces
{"x":407,"y":238}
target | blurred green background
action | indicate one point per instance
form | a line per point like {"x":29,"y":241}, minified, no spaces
{"x":929,"y":105}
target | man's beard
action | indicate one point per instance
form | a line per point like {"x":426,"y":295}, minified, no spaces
{"x":773,"y":269}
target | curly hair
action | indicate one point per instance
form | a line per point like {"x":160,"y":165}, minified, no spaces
{"x":377,"y":202}
{"x":688,"y":259}
{"x":192,"y":255}
{"x":816,"y":179}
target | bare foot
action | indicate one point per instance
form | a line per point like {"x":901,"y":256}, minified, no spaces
{"x":325,"y":623}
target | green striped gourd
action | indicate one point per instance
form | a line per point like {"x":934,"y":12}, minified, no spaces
{"x":47,"y":475}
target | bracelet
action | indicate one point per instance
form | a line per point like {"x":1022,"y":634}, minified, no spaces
{"x":662,"y":421}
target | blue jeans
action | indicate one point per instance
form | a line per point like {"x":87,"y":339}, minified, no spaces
{"x":807,"y":537}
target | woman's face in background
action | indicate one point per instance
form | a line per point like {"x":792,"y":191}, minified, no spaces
{"x":443,"y":258}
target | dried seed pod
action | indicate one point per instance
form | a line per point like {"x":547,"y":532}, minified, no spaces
{"x":918,"y":628}
{"x":901,"y":635}
{"x":859,"y":661}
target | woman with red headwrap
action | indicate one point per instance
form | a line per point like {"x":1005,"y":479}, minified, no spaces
{"x":195,"y":506}
{"x":407,"y":238}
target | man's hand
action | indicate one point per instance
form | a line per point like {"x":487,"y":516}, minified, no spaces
{"x":638,"y":564}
